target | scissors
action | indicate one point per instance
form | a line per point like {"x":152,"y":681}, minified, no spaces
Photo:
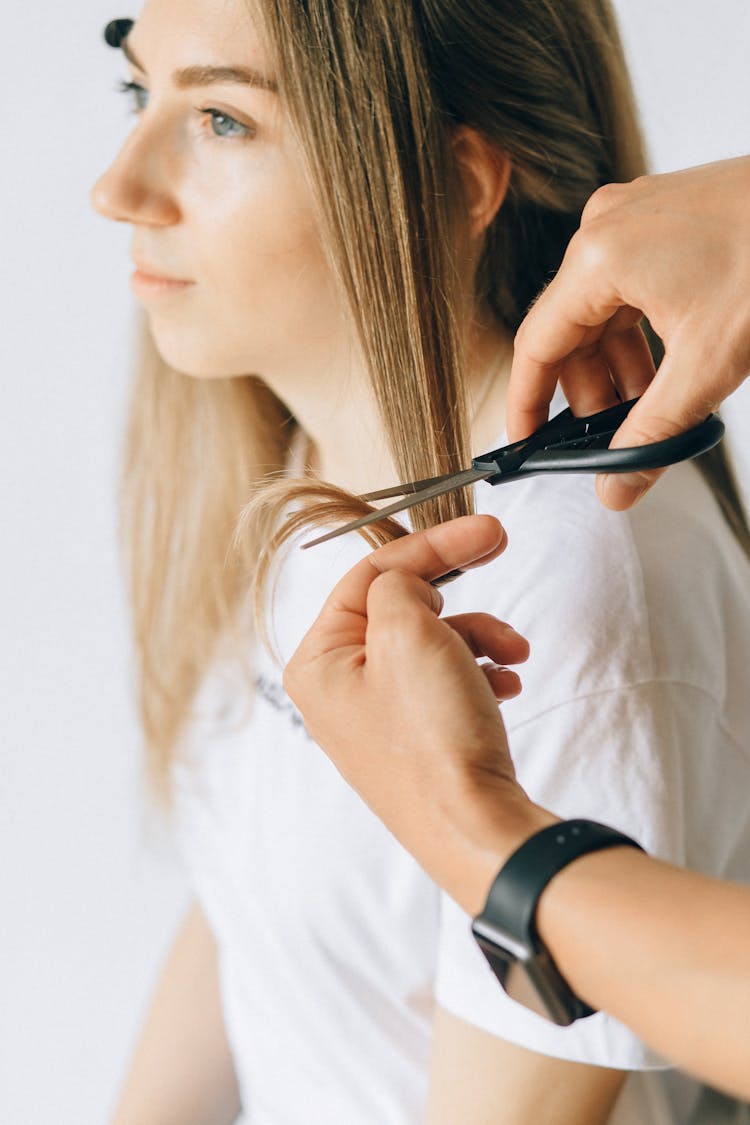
{"x":565,"y":444}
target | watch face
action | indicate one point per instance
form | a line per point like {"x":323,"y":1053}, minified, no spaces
{"x":519,"y":986}
{"x":529,"y":976}
{"x":514,"y":976}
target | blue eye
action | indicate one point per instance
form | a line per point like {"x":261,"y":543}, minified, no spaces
{"x":138,"y":95}
{"x":222,"y":125}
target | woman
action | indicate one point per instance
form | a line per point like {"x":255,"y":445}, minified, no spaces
{"x":340,"y":213}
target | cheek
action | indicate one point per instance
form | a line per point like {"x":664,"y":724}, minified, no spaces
{"x":265,"y":299}
{"x":268,"y":288}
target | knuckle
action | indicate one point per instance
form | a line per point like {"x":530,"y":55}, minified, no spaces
{"x":640,"y":185}
{"x":603,"y":199}
{"x":654,"y":428}
{"x":388,"y":600}
{"x":389,"y":584}
{"x":589,"y":247}
{"x":521,"y":336}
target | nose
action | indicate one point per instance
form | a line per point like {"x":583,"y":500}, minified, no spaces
{"x":137,"y":187}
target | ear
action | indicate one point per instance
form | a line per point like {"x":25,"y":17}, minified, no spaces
{"x":485,"y":175}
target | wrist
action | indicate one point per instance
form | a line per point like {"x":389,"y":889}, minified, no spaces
{"x":489,"y":819}
{"x":591,"y":896}
{"x":507,"y":930}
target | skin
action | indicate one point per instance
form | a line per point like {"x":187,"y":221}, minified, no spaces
{"x":263,"y":299}
{"x":452,"y":799}
{"x":181,"y":1072}
{"x":370,"y":628}
{"x":232,"y":215}
{"x":675,"y":248}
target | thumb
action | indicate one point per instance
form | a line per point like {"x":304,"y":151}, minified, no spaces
{"x":675,"y":401}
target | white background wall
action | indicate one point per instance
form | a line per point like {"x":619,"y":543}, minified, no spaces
{"x":89,"y":891}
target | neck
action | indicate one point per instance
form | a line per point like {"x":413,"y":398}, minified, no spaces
{"x":336,"y":408}
{"x":490,"y":355}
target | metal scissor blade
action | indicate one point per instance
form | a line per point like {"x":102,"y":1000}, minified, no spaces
{"x":406,"y":489}
{"x":442,"y":485}
{"x":510,"y":456}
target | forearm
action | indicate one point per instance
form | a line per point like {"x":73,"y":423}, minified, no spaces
{"x":666,"y":951}
{"x":181,"y":1072}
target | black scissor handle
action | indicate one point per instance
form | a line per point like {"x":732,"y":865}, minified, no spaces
{"x":657,"y":455}
{"x":564,"y":431}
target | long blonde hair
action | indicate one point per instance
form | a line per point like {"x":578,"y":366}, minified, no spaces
{"x":373,"y":92}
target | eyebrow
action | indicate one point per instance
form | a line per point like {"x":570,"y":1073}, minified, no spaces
{"x":191,"y":76}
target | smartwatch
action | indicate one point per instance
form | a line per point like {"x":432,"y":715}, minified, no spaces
{"x":506,"y":930}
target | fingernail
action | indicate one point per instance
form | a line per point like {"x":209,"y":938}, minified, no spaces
{"x":636,"y":482}
{"x":438,"y":601}
{"x":509,"y":629}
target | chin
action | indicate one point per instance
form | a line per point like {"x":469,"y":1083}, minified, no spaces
{"x":191,"y":354}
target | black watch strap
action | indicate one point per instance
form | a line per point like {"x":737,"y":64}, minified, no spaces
{"x":516,"y":890}
{"x":506,"y":929}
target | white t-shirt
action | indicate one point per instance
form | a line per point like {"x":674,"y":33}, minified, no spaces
{"x":333,"y":943}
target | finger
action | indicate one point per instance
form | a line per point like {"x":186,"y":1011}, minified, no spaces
{"x":459,"y":544}
{"x":505,"y":684}
{"x":396,"y":592}
{"x":620,"y":491}
{"x":587,"y":382}
{"x":617,"y":367}
{"x":486,"y":636}
{"x":672,"y":403}
{"x":579,"y":298}
{"x":578,"y":363}
{"x":669,"y":405}
{"x":628,"y":355}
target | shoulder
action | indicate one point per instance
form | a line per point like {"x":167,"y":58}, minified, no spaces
{"x":613,"y":600}
{"x":301,"y":582}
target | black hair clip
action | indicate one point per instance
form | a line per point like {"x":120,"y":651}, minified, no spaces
{"x":116,"y":31}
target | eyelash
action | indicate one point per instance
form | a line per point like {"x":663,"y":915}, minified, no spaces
{"x":135,"y":91}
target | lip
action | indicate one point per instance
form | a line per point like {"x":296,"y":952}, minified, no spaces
{"x":147,"y":280}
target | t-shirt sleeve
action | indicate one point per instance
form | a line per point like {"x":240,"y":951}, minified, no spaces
{"x":624,"y":757}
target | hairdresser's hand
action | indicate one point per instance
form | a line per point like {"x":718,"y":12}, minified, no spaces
{"x":395,"y":697}
{"x":673,"y":247}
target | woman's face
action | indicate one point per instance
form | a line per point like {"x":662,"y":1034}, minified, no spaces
{"x":212,"y":184}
